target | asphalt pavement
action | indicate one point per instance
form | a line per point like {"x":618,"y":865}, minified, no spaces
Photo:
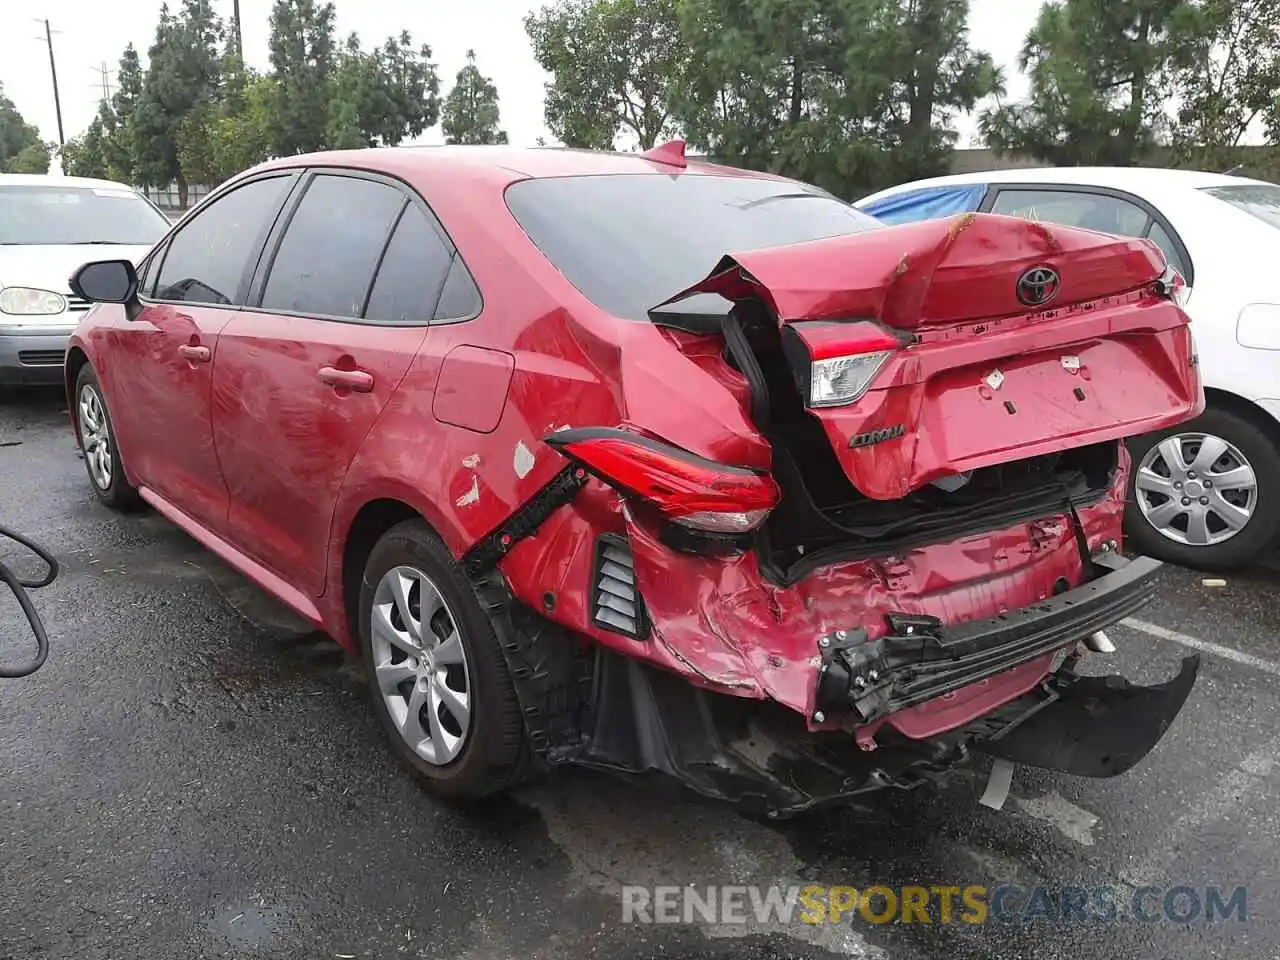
{"x":195,"y":774}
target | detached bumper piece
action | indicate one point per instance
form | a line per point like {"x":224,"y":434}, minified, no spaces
{"x":1088,"y":726}
{"x":921,"y":659}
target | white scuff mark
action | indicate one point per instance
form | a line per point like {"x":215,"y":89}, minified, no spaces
{"x":524,"y":460}
{"x":472,"y":461}
{"x":1073,"y":822}
{"x":472,"y":495}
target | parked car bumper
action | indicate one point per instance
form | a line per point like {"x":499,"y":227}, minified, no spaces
{"x":33,"y":355}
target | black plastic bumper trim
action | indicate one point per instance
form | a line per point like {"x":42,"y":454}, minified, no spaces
{"x":921,"y":660}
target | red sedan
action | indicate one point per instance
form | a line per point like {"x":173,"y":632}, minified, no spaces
{"x":653,"y":465}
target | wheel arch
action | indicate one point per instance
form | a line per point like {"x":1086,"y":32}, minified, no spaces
{"x":76,"y":361}
{"x":1245,"y":409}
{"x":358,"y":535}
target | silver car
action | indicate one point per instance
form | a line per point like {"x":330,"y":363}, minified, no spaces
{"x":49,"y":226}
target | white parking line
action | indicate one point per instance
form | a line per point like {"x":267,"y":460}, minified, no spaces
{"x":1205,"y":646}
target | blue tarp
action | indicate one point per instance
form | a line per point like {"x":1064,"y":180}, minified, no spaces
{"x":927,"y":203}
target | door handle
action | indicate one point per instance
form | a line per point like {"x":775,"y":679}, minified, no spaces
{"x":355,"y":380}
{"x":194,"y":353}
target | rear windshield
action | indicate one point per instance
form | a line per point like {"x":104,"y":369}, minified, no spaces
{"x":71,"y":214}
{"x":631,"y":241}
{"x":1261,"y":200}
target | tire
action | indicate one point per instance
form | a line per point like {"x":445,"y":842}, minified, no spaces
{"x":105,"y":469}
{"x":491,"y":754}
{"x":1246,"y":441}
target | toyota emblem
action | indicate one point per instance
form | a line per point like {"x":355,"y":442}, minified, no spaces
{"x":1038,"y":286}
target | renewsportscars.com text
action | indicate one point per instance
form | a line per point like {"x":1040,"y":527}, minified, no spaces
{"x":972,"y":904}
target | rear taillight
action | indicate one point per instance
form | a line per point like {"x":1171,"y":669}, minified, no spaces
{"x":1174,"y":286}
{"x":835,"y":363}
{"x":685,"y":488}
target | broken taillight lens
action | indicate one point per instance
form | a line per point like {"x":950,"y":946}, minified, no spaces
{"x":1173,"y":285}
{"x":836,"y":362}
{"x":684,"y":487}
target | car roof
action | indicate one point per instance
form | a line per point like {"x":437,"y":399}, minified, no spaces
{"x":1131,"y":179}
{"x":503,"y":163}
{"x":55,"y":180}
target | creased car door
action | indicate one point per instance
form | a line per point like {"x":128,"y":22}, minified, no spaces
{"x":301,"y":378}
{"x":162,"y":361}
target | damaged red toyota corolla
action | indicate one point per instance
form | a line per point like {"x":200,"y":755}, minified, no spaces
{"x":656,"y":466}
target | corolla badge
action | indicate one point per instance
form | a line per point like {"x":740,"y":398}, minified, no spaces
{"x":1038,"y":286}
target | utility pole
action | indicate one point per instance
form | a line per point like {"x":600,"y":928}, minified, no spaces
{"x":105,"y":72}
{"x":235,"y":22}
{"x":53,"y":72}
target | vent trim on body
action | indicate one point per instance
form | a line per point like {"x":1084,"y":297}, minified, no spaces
{"x":616,"y":604}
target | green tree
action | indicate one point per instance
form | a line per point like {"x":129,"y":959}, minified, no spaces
{"x":470,"y":112}
{"x":16,"y":135}
{"x":33,"y":158}
{"x":939,"y":76}
{"x":182,"y":75}
{"x":118,"y":133}
{"x":1225,"y":79}
{"x":89,"y":155}
{"x":1100,"y":75}
{"x":614,"y":66}
{"x":242,"y":139}
{"x":408,"y":90}
{"x":848,"y":94}
{"x":357,"y":95}
{"x":302,"y":58}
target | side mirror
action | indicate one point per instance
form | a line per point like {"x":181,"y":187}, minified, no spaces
{"x":106,"y":281}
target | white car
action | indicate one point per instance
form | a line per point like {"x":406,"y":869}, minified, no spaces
{"x":1207,"y":493}
{"x":49,"y":227}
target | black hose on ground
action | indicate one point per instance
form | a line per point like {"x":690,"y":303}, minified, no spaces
{"x":20,"y":588}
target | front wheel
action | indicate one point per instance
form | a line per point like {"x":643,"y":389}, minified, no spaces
{"x":97,"y":438}
{"x":1205,"y":494}
{"x":437,"y":676}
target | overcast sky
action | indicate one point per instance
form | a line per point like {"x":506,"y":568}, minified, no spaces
{"x":87,"y":32}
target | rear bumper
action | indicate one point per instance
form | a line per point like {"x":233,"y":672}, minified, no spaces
{"x":590,"y":706}
{"x":921,"y":660}
{"x":33,"y":356}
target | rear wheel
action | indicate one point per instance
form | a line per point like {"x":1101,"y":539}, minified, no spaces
{"x":437,"y":677}
{"x":1205,"y":494}
{"x":98,"y":443}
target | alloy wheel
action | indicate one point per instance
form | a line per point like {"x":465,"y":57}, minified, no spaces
{"x":95,"y":436}
{"x":420,"y":665}
{"x":1196,"y":489}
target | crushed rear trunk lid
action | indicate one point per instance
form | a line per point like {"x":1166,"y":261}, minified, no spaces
{"x":929,"y":351}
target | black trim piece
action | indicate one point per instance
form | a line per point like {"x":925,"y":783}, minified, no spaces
{"x":640,"y":617}
{"x":552,"y":670}
{"x":994,"y":190}
{"x":1086,"y":726}
{"x":922,"y":659}
{"x":744,"y":358}
{"x":382,"y":255}
{"x":486,"y":552}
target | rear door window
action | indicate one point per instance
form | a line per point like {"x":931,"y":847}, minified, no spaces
{"x":412,"y":272}
{"x":325,"y":263}
{"x":208,"y":259}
